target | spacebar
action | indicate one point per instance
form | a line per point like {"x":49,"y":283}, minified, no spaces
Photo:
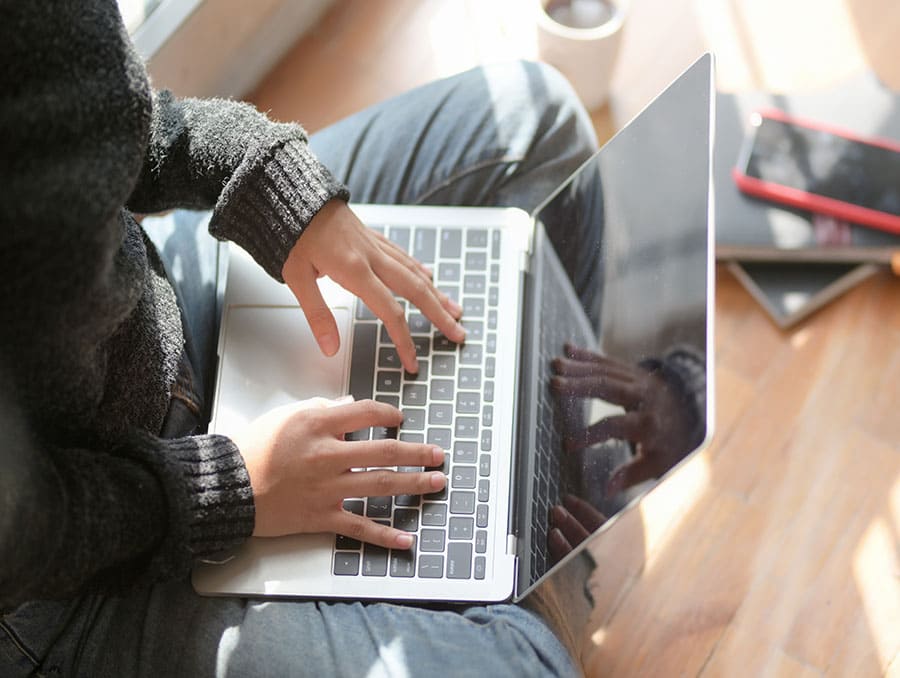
{"x":362,"y":360}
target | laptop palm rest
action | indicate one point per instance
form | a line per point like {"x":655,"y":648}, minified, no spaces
{"x":271,"y":358}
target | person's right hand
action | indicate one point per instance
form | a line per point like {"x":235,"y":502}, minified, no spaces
{"x":300,"y":469}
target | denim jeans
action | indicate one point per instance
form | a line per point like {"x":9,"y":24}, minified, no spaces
{"x":500,"y":135}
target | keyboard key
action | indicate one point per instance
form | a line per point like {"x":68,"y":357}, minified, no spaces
{"x":493,"y":295}
{"x":434,"y":515}
{"x":449,"y":272}
{"x":343,"y":543}
{"x":451,"y":243}
{"x":407,"y":519}
{"x":419,"y":324}
{"x":362,"y":434}
{"x":442,"y":343}
{"x":474,"y":329}
{"x":473,"y":307}
{"x":466,"y":427}
{"x":480,"y":567}
{"x":443,"y":365}
{"x":346,"y":564}
{"x":468,"y":402}
{"x":462,"y":502}
{"x":461,"y":528}
{"x":440,"y":437}
{"x":432,"y":541}
{"x":477,"y":237}
{"x":469,"y":378}
{"x":487,"y":416}
{"x":490,"y":367}
{"x":440,"y":495}
{"x":470,"y":354}
{"x":415,"y":394}
{"x":431,"y":566}
{"x":463,"y":477}
{"x":403,"y":563}
{"x":375,"y":560}
{"x":354,"y":506}
{"x":489,"y":392}
{"x":389,"y":358}
{"x":362,"y":361}
{"x":412,"y":438}
{"x":484,"y":465}
{"x":388,"y":380}
{"x":459,"y":561}
{"x":379,"y":507}
{"x":385,"y":337}
{"x":423,"y":346}
{"x":474,"y":284}
{"x":481,"y":515}
{"x":495,"y":244}
{"x":413,"y":419}
{"x":481,"y":541}
{"x":484,"y":490}
{"x":476,"y":261}
{"x":464,"y":452}
{"x":491,"y":344}
{"x":421,"y":375}
{"x":495,"y":273}
{"x":487,"y":439}
{"x":440,"y":414}
{"x":442,"y":389}
{"x":424,"y":245}
{"x":492,"y":319}
{"x":383,"y":432}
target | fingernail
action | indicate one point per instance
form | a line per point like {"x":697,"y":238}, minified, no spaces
{"x":404,"y":541}
{"x":329,"y":343}
{"x":438,"y":479}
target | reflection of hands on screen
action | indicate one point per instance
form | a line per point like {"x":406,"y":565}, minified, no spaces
{"x":570,"y":524}
{"x":657,"y":418}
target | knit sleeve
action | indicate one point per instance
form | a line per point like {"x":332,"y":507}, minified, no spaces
{"x":113,"y":519}
{"x":261,"y":178}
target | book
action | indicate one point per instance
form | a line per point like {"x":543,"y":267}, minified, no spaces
{"x":752,"y":229}
{"x":790,"y":292}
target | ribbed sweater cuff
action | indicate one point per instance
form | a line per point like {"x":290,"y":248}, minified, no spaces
{"x":266,"y":208}
{"x":218,"y":502}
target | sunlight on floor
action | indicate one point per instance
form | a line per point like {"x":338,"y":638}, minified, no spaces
{"x":755,"y":52}
{"x":464,"y":34}
{"x":664,"y":509}
{"x":876,"y":569}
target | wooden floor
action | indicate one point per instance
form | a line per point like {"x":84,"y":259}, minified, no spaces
{"x":777,"y":550}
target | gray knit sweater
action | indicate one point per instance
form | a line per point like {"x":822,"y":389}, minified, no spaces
{"x":90,"y":334}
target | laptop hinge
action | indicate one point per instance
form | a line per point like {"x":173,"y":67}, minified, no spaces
{"x":511,"y":544}
{"x":525,"y":262}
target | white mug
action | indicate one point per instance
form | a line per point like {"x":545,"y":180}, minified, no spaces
{"x":585,"y":55}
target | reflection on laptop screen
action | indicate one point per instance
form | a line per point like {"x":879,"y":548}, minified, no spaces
{"x":619,"y":349}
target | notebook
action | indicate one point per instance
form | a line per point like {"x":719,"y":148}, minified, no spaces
{"x":618,"y":261}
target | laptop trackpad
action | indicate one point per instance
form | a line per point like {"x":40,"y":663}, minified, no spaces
{"x":270,"y":358}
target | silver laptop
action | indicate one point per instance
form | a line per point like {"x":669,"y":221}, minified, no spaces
{"x":614,"y":270}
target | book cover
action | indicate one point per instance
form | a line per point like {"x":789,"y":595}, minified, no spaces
{"x":751,"y":229}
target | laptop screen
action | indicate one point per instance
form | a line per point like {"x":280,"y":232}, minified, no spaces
{"x":621,"y":347}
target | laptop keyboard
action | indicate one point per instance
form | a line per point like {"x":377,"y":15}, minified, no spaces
{"x":449,"y":403}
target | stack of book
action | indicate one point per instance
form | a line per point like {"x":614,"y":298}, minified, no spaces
{"x":791,"y":261}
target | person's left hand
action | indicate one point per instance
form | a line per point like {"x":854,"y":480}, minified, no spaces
{"x":364,"y":262}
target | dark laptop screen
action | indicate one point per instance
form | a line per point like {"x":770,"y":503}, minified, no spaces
{"x":622,"y":335}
